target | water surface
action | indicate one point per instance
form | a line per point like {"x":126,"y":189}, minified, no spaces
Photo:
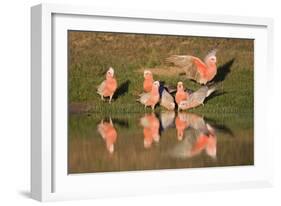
{"x":150,"y":141}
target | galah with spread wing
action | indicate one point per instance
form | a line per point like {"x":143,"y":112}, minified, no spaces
{"x":108,"y":133}
{"x":108,"y":86}
{"x":196,"y":98}
{"x":151,"y":98}
{"x":196,"y":69}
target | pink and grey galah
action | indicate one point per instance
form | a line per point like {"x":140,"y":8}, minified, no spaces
{"x":150,"y":99}
{"x":181,"y":95}
{"x":108,"y":86}
{"x":196,"y":98}
{"x":148,"y":81}
{"x":196,"y":69}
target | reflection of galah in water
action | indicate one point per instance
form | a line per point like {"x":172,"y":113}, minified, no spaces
{"x":199,"y":137}
{"x":195,"y":68}
{"x":148,"y":81}
{"x":151,"y":126}
{"x":108,"y":133}
{"x":151,"y":98}
{"x":167,"y":120}
{"x":108,"y":86}
{"x":181,"y":95}
{"x":207,"y":142}
{"x":181,"y":124}
{"x":197,"y":98}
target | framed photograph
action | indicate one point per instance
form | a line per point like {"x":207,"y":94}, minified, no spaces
{"x":135,"y":102}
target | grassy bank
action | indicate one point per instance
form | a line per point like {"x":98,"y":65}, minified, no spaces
{"x":90,"y":55}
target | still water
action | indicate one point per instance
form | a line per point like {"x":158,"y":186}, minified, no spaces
{"x":152,"y":141}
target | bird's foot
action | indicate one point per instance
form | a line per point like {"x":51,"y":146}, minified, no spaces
{"x":110,"y":98}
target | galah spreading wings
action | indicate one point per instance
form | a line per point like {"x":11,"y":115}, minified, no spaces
{"x":194,"y":68}
{"x":197,"y":98}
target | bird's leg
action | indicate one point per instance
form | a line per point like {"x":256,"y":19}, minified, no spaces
{"x":152,"y":107}
{"x":203,"y":104}
{"x":110,"y":98}
{"x":110,"y":121}
{"x":102,"y":97}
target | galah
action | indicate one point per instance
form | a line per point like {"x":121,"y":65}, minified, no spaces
{"x":108,"y":133}
{"x":181,"y":95}
{"x":108,"y":86}
{"x":151,"y":98}
{"x":148,"y":80}
{"x":196,"y":98}
{"x":196,"y":69}
{"x":151,"y":127}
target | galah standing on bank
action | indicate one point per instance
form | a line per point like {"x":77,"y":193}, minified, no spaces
{"x":181,"y":95}
{"x":148,"y":81}
{"x":196,"y":69}
{"x":197,"y":98}
{"x":108,"y":86}
{"x":151,"y":98}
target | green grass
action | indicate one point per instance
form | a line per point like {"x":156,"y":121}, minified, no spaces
{"x":91,"y":53}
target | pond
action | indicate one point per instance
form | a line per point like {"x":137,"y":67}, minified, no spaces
{"x":152,"y":141}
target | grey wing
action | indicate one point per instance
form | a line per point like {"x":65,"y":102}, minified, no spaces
{"x":180,"y":60}
{"x":199,"y":95}
{"x":144,"y":97}
{"x":166,"y":98}
{"x":101,"y":88}
{"x":187,"y":64}
{"x":192,"y":101}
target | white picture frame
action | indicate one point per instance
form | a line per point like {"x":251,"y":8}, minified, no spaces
{"x":49,"y":179}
